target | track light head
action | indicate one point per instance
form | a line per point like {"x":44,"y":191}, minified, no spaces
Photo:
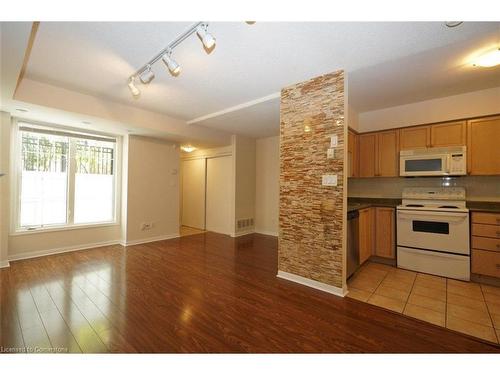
{"x":206,"y":38}
{"x":147,"y":75}
{"x":133,"y":88}
{"x":171,"y":64}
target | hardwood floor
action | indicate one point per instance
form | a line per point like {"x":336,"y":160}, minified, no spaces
{"x":200,"y":293}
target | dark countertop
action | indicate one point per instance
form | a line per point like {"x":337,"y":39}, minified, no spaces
{"x":483,"y":206}
{"x":356,"y":203}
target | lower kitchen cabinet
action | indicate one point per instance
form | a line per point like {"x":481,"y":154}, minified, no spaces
{"x":385,"y":232}
{"x":366,"y":233}
{"x":377,"y":233}
{"x":485,"y":241}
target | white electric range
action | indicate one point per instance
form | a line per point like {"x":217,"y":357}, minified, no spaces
{"x":433,"y":232}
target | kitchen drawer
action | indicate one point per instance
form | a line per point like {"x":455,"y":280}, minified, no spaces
{"x":486,"y":263}
{"x":485,"y":230}
{"x":486,"y":218}
{"x":485,"y":243}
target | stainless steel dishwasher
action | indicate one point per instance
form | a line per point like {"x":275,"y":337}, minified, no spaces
{"x":352,"y":242}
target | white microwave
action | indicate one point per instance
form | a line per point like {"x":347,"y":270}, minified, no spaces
{"x":443,"y":161}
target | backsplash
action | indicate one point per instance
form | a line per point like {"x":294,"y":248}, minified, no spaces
{"x":478,"y":188}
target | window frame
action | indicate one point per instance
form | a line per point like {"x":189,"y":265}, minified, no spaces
{"x":16,"y":165}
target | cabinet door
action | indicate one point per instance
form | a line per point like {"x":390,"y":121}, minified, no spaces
{"x":384,"y":232}
{"x":367,"y":144}
{"x":387,"y":154}
{"x":352,"y":150}
{"x":415,"y":137}
{"x":483,"y":146}
{"x":449,"y":134}
{"x":366,"y":223}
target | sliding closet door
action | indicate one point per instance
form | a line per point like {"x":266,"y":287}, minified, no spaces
{"x":219,"y":172}
{"x":193,"y":193}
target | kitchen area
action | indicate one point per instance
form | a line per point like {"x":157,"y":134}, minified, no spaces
{"x":424,"y":222}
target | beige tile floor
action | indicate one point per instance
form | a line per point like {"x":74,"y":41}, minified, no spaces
{"x":188,"y":231}
{"x":467,"y":307}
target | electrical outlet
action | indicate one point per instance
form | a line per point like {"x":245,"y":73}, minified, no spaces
{"x":330,"y":153}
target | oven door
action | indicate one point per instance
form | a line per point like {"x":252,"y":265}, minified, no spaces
{"x":434,"y":230}
{"x":424,"y":165}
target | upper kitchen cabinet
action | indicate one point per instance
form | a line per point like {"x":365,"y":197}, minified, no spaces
{"x":449,"y":134}
{"x":378,"y":154}
{"x":483,"y":146}
{"x":387,"y":153}
{"x":415,"y":137}
{"x":352,"y":152}
{"x":367,"y":147}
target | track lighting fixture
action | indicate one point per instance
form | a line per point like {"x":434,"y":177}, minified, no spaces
{"x":171,"y":64}
{"x":133,"y":89}
{"x":147,"y":76}
{"x":206,"y":38}
{"x":145,"y":73}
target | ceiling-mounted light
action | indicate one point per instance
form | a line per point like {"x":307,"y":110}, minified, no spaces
{"x":147,"y":75}
{"x":206,"y":38}
{"x":188,"y":148}
{"x":171,"y":64}
{"x":133,"y":89}
{"x":488,"y":59}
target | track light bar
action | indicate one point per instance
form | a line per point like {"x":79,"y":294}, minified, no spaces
{"x":145,"y":73}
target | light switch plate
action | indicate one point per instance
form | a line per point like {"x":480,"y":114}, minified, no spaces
{"x":329,"y":180}
{"x":330,"y":153}
{"x":334,"y":140}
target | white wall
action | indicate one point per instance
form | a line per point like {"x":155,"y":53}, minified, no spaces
{"x":267,"y":186}
{"x":244,"y":180}
{"x":472,"y":104}
{"x":153,"y":189}
{"x":4,"y":186}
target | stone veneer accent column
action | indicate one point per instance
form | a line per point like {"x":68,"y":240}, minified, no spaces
{"x":311,"y":215}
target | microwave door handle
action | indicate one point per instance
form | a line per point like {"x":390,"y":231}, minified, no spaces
{"x":448,"y":163}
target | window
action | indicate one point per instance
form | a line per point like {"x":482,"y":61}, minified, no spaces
{"x":65,"y":178}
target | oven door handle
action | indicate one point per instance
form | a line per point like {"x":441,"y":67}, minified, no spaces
{"x":450,"y":216}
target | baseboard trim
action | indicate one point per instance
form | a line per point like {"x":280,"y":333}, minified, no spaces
{"x":312,"y":283}
{"x":60,"y":250}
{"x":4,"y":264}
{"x":239,"y":234}
{"x":151,"y":239}
{"x":267,"y":233}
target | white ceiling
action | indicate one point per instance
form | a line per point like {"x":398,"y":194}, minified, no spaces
{"x":389,"y":64}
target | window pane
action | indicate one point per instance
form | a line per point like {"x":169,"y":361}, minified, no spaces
{"x":94,"y":181}
{"x":44,"y":179}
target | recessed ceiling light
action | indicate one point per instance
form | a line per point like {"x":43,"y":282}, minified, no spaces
{"x":21,"y":110}
{"x":250,"y":22}
{"x":188,"y":148}
{"x":452,"y":24}
{"x":86,"y":122}
{"x":488,"y":59}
